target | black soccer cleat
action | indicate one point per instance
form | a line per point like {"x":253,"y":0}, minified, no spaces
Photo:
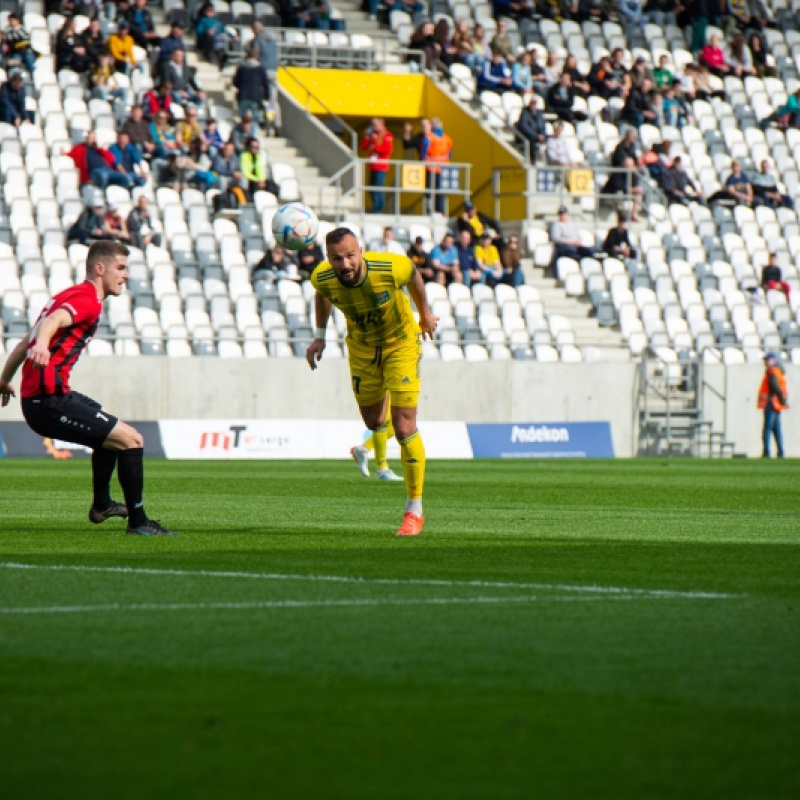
{"x":150,"y":528}
{"x":114,"y":510}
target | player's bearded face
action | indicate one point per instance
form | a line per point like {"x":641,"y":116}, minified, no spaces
{"x":346,"y":259}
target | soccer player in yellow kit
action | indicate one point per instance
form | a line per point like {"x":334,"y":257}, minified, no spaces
{"x":384,"y":345}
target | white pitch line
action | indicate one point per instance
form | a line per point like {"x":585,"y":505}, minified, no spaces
{"x":267,"y":604}
{"x":276,"y":576}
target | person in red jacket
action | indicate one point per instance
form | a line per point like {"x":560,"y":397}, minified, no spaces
{"x":94,"y":163}
{"x":378,"y":143}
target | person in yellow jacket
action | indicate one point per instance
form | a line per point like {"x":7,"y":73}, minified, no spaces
{"x":773,"y":398}
{"x":253,"y":164}
{"x":120,"y":45}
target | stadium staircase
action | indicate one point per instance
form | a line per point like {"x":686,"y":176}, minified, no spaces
{"x":670,"y":412}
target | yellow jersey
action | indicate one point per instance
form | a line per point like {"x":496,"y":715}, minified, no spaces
{"x":378,"y":311}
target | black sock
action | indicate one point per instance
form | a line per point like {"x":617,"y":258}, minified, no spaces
{"x":130,"y":472}
{"x":103,"y":463}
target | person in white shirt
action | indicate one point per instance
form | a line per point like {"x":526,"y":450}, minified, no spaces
{"x":557,"y":148}
{"x":387,"y":244}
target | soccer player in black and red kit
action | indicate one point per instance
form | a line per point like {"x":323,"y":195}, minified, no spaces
{"x":64,"y":328}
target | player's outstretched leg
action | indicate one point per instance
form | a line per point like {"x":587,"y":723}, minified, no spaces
{"x":103,"y":507}
{"x":130,"y":472}
{"x":412,"y":454}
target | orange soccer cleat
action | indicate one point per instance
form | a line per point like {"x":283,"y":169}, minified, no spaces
{"x":411,"y":526}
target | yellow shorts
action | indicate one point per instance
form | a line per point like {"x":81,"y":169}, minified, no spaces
{"x":392,"y":368}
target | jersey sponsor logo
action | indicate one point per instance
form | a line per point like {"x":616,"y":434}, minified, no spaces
{"x":101,"y":416}
{"x":382,"y":298}
{"x":238,"y":437}
{"x":406,"y":380}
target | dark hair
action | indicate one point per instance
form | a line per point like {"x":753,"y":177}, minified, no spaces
{"x":337,"y":234}
{"x":104,"y":253}
{"x":251,"y":139}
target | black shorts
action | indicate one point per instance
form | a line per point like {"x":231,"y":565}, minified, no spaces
{"x":72,"y":417}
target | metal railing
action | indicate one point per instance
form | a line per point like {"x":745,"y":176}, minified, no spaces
{"x":567,"y":185}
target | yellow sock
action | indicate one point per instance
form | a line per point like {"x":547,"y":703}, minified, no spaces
{"x":369,"y":442}
{"x":379,"y":438}
{"x":412,"y":454}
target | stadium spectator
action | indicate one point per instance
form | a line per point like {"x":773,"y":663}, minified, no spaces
{"x":265,"y":46}
{"x":412,"y":7}
{"x":701,"y":88}
{"x":70,"y":51}
{"x":120,"y":45}
{"x":787,"y":115}
{"x":639,"y":108}
{"x":143,"y":29}
{"x":165,"y":142}
{"x":626,"y":180}
{"x":661,"y":12}
{"x":158,"y":99}
{"x":617,"y":243}
{"x":678,"y":186}
{"x":462,"y":41}
{"x":89,"y":225}
{"x":619,"y":70}
{"x":387,"y":243}
{"x":468,"y":265}
{"x":114,"y":226}
{"x":745,"y":15}
{"x":308,"y":259}
{"x":447,"y":51}
{"x":188,"y":129}
{"x":511,"y":259}
{"x":138,"y":130}
{"x":495,"y":75}
{"x":420,"y":258}
{"x":738,"y":57}
{"x":436,"y":149}
{"x":579,"y":81}
{"x":277,"y":263}
{"x":552,"y":69}
{"x":627,"y":147}
{"x":195,"y":167}
{"x":561,"y":98}
{"x":210,"y":34}
{"x":476,"y":222}
{"x":532,"y":126}
{"x":480,"y":47}
{"x":94,"y":40}
{"x":557,"y":150}
{"x":566,"y":239}
{"x":243,"y":131}
{"x":12,"y":101}
{"x":738,"y":188}
{"x":212,"y":136}
{"x":173,"y":41}
{"x":501,"y":42}
{"x":444,"y":260}
{"x":522,"y":9}
{"x":662,"y":74}
{"x":772,"y":277}
{"x":602,"y":81}
{"x":759,"y":55}
{"x":766,"y":190}
{"x":773,"y":397}
{"x":140,"y":225}
{"x":17,"y":42}
{"x":631,"y":12}
{"x":712,"y":56}
{"x":95,"y":164}
{"x":488,"y":258}
{"x":521,"y":75}
{"x":378,"y":144}
{"x":423,"y":39}
{"x":673,"y":110}
{"x":227,"y":168}
{"x":639,"y":71}
{"x":252,"y":87}
{"x":182,"y":77}
{"x":253,"y":164}
{"x":127,"y":161}
{"x":104,"y":81}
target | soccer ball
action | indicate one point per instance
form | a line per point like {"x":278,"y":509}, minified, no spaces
{"x":295,"y":226}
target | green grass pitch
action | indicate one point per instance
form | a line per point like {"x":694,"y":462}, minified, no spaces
{"x":624,"y":629}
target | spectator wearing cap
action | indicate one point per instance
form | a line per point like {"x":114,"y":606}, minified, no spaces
{"x":184,"y":85}
{"x":488,"y":258}
{"x":173,"y":41}
{"x":773,"y":400}
{"x":120,"y":45}
{"x":617,"y":242}
{"x":420,"y":259}
{"x":387,"y":243}
{"x":12,"y":101}
{"x":444,"y":260}
{"x":89,"y":225}
{"x":252,"y":87}
{"x":140,"y":225}
{"x":531,"y":124}
{"x":127,"y":160}
{"x":471,"y":271}
{"x":143,"y":29}
{"x":17,"y":42}
{"x":566,"y":239}
{"x":476,"y":222}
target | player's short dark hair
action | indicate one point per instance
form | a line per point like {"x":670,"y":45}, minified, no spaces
{"x":104,"y":253}
{"x":336,"y":236}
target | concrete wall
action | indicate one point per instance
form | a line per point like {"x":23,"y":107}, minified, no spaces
{"x":501,"y":391}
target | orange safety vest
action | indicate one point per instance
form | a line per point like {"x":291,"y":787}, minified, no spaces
{"x":763,"y":392}
{"x":439,"y":148}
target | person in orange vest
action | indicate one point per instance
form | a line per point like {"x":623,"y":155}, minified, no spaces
{"x":437,"y":149}
{"x":773,"y":398}
{"x":378,"y":144}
